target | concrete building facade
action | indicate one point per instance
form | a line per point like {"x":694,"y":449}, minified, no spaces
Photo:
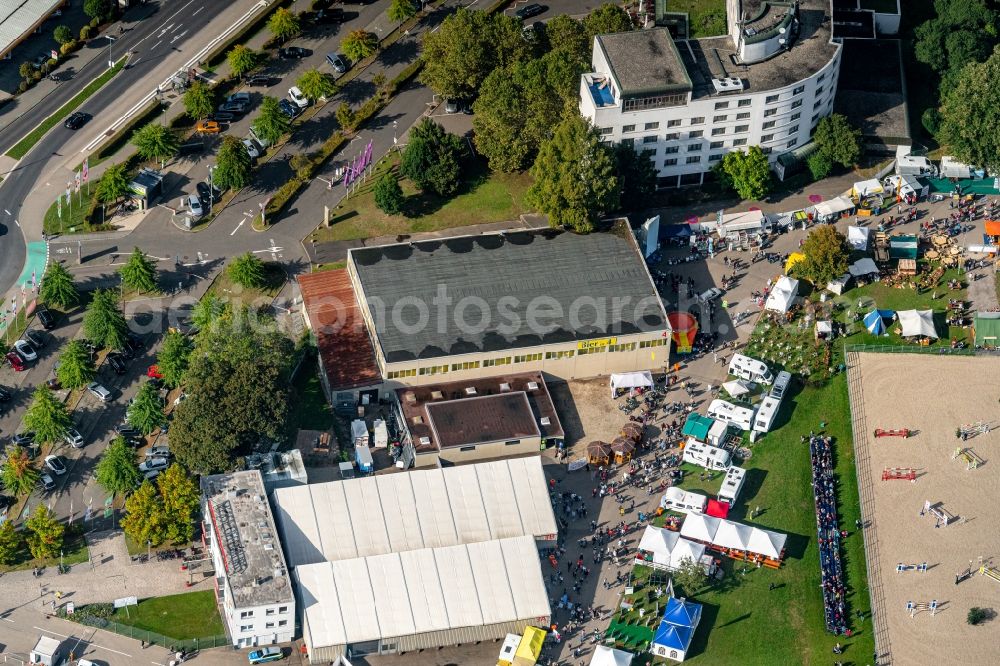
{"x":766,"y":83}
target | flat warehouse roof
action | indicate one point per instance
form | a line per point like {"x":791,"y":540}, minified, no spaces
{"x":420,"y":591}
{"x":645,"y":61}
{"x":431,"y":508}
{"x":482,"y":419}
{"x":499,"y":291}
{"x":18,"y":17}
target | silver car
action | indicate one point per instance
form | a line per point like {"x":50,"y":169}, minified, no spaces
{"x":252,"y":149}
{"x":194,"y":205}
{"x":98,"y":391}
{"x":27,"y":352}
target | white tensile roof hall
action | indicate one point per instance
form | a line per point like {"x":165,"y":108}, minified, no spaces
{"x":341,"y":520}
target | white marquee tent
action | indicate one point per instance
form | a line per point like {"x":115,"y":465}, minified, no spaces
{"x":631,"y":380}
{"x":668,"y":548}
{"x":826,"y":210}
{"x":728,"y":534}
{"x":864,"y":188}
{"x":863,"y":266}
{"x":606,"y":656}
{"x":782,"y":294}
{"x":857,"y":237}
{"x":340,"y":520}
{"x":423,"y":598}
{"x":917,"y":322}
{"x":700,"y":527}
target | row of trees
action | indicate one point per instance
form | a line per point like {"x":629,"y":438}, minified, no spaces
{"x":163,"y":510}
{"x":432,"y":159}
{"x":43,"y":534}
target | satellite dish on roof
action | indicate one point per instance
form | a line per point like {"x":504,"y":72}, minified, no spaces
{"x":781,"y":40}
{"x":781,"y":30}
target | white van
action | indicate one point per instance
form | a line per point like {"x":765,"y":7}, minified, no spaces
{"x":678,"y":500}
{"x":781,"y":383}
{"x":741,"y":417}
{"x":703,"y":455}
{"x":766,"y":412}
{"x":750,"y":369}
{"x":732,"y":484}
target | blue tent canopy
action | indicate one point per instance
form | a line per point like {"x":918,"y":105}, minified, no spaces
{"x":673,"y":637}
{"x":682,"y":613}
{"x":875,"y":320}
{"x":680,"y":618}
{"x":675,"y":230}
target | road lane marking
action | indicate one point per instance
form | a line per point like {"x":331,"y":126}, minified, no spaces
{"x":18,"y":224}
{"x":6,"y":211}
{"x":238,"y":226}
{"x":155,"y":45}
{"x":198,"y":10}
{"x":180,"y":36}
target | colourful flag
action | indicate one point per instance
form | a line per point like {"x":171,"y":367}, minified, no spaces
{"x":86,"y":169}
{"x":59,"y":206}
{"x":76,"y":179}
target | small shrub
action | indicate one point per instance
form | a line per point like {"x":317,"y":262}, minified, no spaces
{"x":36,"y":76}
{"x":931,"y":120}
{"x":45,"y":69}
{"x":69,"y":47}
{"x":977,"y":615}
{"x":100,"y":611}
{"x":94,"y":22}
{"x":85,"y":33}
{"x":22,"y":86}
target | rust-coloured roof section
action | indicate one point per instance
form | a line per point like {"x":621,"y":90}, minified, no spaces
{"x":345,"y":349}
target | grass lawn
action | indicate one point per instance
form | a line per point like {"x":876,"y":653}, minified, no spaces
{"x":484,"y":197}
{"x":63,"y":219}
{"x":179,"y":616}
{"x":309,"y":408}
{"x":227,"y":290}
{"x":22,"y":147}
{"x":707,"y":18}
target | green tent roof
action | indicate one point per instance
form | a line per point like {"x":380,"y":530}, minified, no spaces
{"x":987,"y":328}
{"x":697,"y":426}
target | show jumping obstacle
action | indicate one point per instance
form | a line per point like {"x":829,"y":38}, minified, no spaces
{"x":942,"y":516}
{"x":892,"y":473}
{"x":972,"y":460}
{"x":916,"y":608}
{"x":972,"y":429}
{"x":919,"y":568}
{"x":902,"y":432}
{"x":990,"y":572}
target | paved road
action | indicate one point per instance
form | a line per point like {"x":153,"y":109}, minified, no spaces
{"x":161,"y":42}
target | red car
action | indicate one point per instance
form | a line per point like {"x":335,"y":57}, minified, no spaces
{"x":15,"y":361}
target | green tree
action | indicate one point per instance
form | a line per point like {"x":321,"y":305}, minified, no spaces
{"x":389,"y":195}
{"x":271,"y":122}
{"x":247,"y":270}
{"x":283,"y":24}
{"x":172,"y":359}
{"x":17,"y":473}
{"x":57,"y":286}
{"x":145,"y":520}
{"x":931,"y":121}
{"x":569,"y":35}
{"x":468,"y":46}
{"x":574,"y":176}
{"x":401,"y":10}
{"x":636,"y":176}
{"x":199,"y":100}
{"x":432,"y":158}
{"x":840,"y":140}
{"x":826,"y":252}
{"x":969,"y":116}
{"x":359,"y":44}
{"x":139,"y":273}
{"x":748,"y":173}
{"x":977,"y":615}
{"x":962,"y":31}
{"x":243,"y":372}
{"x":10,"y":543}
{"x":76,"y":366}
{"x":47,"y":416}
{"x":606,"y":19}
{"x":689,"y":576}
{"x":315,"y":84}
{"x":345,"y":116}
{"x":207,"y":312}
{"x":233,"y":165}
{"x":156,"y":142}
{"x":103,"y":322}
{"x":242,"y":60}
{"x":26,"y":70}
{"x":63,"y":34}
{"x":45,"y":533}
{"x":114,"y":184}
{"x":820,"y":165}
{"x":146,"y":411}
{"x":181,"y":499}
{"x":98,"y":9}
{"x":116,"y":471}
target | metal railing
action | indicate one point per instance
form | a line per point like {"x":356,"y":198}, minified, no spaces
{"x":914,"y":349}
{"x":151,"y":637}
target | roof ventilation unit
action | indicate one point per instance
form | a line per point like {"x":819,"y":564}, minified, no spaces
{"x":730,"y":84}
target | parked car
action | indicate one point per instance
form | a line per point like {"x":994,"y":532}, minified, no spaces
{"x":252,"y":149}
{"x":99,"y":391}
{"x":5,"y":394}
{"x":260,"y":142}
{"x":266,"y":655}
{"x":48,"y":483}
{"x":118,"y":363}
{"x":36,"y":338}
{"x":46,"y":318}
{"x":159,"y":451}
{"x":23,"y":438}
{"x":331,"y":15}
{"x":27,"y":352}
{"x":194,"y":205}
{"x":337,"y":62}
{"x":528,"y":11}
{"x":242,"y":97}
{"x":76,"y":120}
{"x":294,"y":52}
{"x":206,"y":194}
{"x":74,"y":438}
{"x":223,"y":117}
{"x":710,"y":294}
{"x":134,"y":342}
{"x":126,"y":430}
{"x":150,"y":464}
{"x":15,"y":361}
{"x":238,"y":108}
{"x":55,"y":464}
{"x":451,"y":106}
{"x":289,"y":109}
{"x":208,"y":127}
{"x":260,"y":80}
{"x":297,"y":97}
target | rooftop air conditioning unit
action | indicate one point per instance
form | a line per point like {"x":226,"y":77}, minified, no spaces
{"x":425,"y":441}
{"x":729,"y":84}
{"x":470,"y":391}
{"x":545,"y":421}
{"x":504,"y":387}
{"x":532,"y":386}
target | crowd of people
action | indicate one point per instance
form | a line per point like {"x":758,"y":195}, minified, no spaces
{"x":828,"y":534}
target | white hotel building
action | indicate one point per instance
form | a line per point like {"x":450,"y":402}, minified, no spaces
{"x":766,"y":83}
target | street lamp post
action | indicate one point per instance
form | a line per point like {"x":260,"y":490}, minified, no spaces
{"x":211,"y":187}
{"x":394,"y":124}
{"x":111,"y":40}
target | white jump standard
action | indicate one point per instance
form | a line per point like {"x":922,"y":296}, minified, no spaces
{"x":920,"y":568}
{"x":916,"y":608}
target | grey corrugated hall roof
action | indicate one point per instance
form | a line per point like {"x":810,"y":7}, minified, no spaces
{"x":558,"y":271}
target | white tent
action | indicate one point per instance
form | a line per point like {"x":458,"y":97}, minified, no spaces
{"x":668,"y":548}
{"x":866,"y":187}
{"x":700,"y":527}
{"x":782,"y":294}
{"x":833,"y":208}
{"x":865,"y":266}
{"x":857,"y":237}
{"x":732,"y":535}
{"x":917,"y":322}
{"x":631,"y":380}
{"x":649,"y":236}
{"x":767,"y":543}
{"x":736,"y":388}
{"x":605,"y":656}
{"x":839,"y":285}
